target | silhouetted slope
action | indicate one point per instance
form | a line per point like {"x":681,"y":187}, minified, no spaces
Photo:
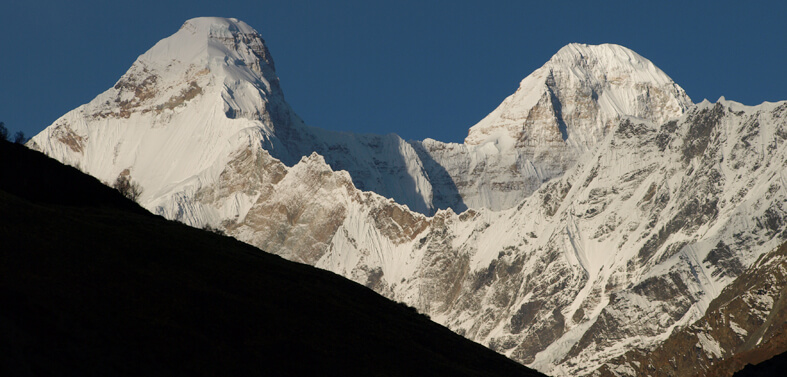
{"x":92,"y":285}
{"x":39,"y":178}
{"x":777,"y":366}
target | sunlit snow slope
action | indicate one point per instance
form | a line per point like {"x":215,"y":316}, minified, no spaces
{"x":595,"y":210}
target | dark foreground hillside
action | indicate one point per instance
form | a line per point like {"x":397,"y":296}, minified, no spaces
{"x":774,"y":367}
{"x":91,"y":284}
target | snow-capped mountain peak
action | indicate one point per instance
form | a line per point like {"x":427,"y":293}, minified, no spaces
{"x":610,"y":58}
{"x":578,"y":95}
{"x":206,"y":37}
{"x":226,"y":50}
{"x":178,"y":108}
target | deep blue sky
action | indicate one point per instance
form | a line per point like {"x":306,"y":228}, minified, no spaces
{"x":416,"y":68}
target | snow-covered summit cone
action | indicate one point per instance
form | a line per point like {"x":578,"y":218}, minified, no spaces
{"x":227,"y":52}
{"x":558,"y":113}
{"x":182,"y":106}
{"x":578,"y":95}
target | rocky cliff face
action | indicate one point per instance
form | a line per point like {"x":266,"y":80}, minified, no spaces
{"x":745,"y":324}
{"x":593,"y":212}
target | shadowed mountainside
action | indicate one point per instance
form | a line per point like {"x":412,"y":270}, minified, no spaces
{"x":92,"y":284}
{"x":772,"y":367}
